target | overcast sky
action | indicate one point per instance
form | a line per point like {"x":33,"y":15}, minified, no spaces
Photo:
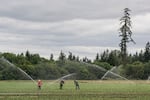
{"x":83,"y":27}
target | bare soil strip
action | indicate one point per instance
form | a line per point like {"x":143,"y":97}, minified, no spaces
{"x":123,"y":95}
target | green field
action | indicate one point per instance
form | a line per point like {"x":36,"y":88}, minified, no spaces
{"x":90,"y":90}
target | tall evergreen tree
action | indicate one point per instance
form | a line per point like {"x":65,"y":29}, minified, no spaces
{"x":62,"y":56}
{"x":104,"y":56}
{"x":97,"y":57}
{"x":147,"y":52}
{"x":125,"y":34}
{"x":114,"y":58}
{"x":28,"y":55}
{"x":141,"y":56}
{"x":70,"y":56}
{"x":51,"y":57}
{"x":135,"y":57}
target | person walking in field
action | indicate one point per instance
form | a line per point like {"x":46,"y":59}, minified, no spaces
{"x":76,"y":85}
{"x":61,"y":84}
{"x":39,"y":83}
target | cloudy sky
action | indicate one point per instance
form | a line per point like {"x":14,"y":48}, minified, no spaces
{"x":83,"y":27}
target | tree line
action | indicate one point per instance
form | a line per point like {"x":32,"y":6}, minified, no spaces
{"x":138,"y":66}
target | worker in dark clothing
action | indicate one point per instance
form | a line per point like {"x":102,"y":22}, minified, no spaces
{"x":61,"y":84}
{"x":76,"y":85}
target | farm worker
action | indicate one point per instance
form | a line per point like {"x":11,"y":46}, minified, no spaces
{"x":39,"y":84}
{"x":61,"y":84}
{"x":76,"y":84}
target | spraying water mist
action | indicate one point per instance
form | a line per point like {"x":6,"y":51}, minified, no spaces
{"x":110,"y":73}
{"x":96,"y":66}
{"x":106,"y":72}
{"x":63,"y":77}
{"x":12,"y":65}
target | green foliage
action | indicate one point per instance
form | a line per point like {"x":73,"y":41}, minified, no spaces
{"x":46,"y":71}
{"x":114,"y":58}
{"x":10,"y":73}
{"x":40,"y":68}
{"x":146,"y":70}
{"x":105,"y":65}
{"x":137,"y":70}
{"x":51,"y":57}
{"x":104,"y":56}
{"x":62,"y":56}
{"x":147,"y":52}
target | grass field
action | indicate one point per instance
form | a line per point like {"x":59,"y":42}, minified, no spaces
{"x":90,"y":90}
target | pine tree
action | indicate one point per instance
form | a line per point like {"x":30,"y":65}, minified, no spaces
{"x":97,"y":57}
{"x":62,"y":56}
{"x":125,"y":34}
{"x":70,"y":56}
{"x":51,"y":57}
{"x":147,"y":52}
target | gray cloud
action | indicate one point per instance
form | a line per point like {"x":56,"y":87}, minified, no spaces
{"x":56,"y":10}
{"x":83,"y":27}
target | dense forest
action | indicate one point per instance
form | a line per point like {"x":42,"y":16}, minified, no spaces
{"x":138,"y":66}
